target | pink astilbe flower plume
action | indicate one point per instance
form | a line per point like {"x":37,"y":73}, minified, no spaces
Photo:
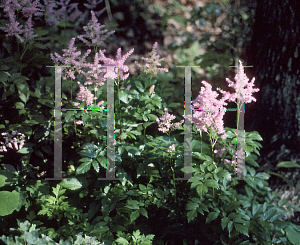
{"x":85,"y":95}
{"x":94,"y":33}
{"x":164,"y":122}
{"x":241,"y":80}
{"x":152,"y":63}
{"x":210,"y":110}
{"x":118,"y":62}
{"x":14,"y":28}
{"x":71,"y":58}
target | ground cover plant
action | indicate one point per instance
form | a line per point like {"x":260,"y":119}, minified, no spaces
{"x":148,"y":206}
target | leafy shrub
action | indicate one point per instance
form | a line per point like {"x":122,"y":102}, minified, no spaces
{"x":148,"y":205}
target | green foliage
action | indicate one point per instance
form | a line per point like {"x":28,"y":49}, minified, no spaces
{"x":146,"y":205}
{"x":30,"y":235}
{"x":9,"y":200}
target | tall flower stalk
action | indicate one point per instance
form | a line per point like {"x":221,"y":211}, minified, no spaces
{"x":165,"y":126}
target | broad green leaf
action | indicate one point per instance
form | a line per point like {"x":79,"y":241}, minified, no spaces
{"x":139,"y":86}
{"x":224,"y":222}
{"x":201,"y":190}
{"x":192,"y":206}
{"x":2,"y":180}
{"x":123,"y":96}
{"x":134,"y":215}
{"x":132,"y":204}
{"x":84,"y":167}
{"x":23,"y":150}
{"x":96,"y":166}
{"x":103,"y":161}
{"x":191,"y":215}
{"x":292,"y":235}
{"x":287,"y":164}
{"x":142,"y":187}
{"x":174,"y":105}
{"x":8,"y":202}
{"x":255,"y":136}
{"x":122,"y":241}
{"x":19,"y":105}
{"x":241,"y":229}
{"x":144,"y":212}
{"x":72,"y":184}
{"x":211,"y":183}
{"x":211,"y":216}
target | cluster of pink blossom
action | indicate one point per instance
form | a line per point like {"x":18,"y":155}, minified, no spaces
{"x":171,"y":148}
{"x":96,"y":72}
{"x":93,"y":32}
{"x":164,"y":122}
{"x":13,"y":28}
{"x":211,"y":111}
{"x":85,"y":95}
{"x":15,"y":143}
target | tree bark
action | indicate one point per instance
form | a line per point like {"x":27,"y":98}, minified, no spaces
{"x":274,"y":52}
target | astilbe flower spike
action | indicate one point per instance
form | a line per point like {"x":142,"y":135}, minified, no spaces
{"x":210,"y":110}
{"x":14,"y":28}
{"x":69,"y":59}
{"x":93,"y":31}
{"x":152,"y":63}
{"x":119,"y":62}
{"x":240,"y":78}
{"x":164,"y":122}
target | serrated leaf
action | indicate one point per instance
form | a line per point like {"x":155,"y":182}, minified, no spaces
{"x":144,"y":212}
{"x":224,"y":222}
{"x":134,"y":215}
{"x":241,"y":229}
{"x":192,"y":206}
{"x":211,"y":216}
{"x":269,"y":213}
{"x":211,"y":183}
{"x":96,"y":166}
{"x":103,"y":161}
{"x":192,"y":215}
{"x":72,"y":184}
{"x":201,"y":190}
{"x":84,"y":167}
{"x":255,"y":136}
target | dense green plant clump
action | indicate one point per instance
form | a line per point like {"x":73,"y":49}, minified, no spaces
{"x":148,"y":205}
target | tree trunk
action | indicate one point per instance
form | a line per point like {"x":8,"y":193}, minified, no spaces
{"x":274,"y":53}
